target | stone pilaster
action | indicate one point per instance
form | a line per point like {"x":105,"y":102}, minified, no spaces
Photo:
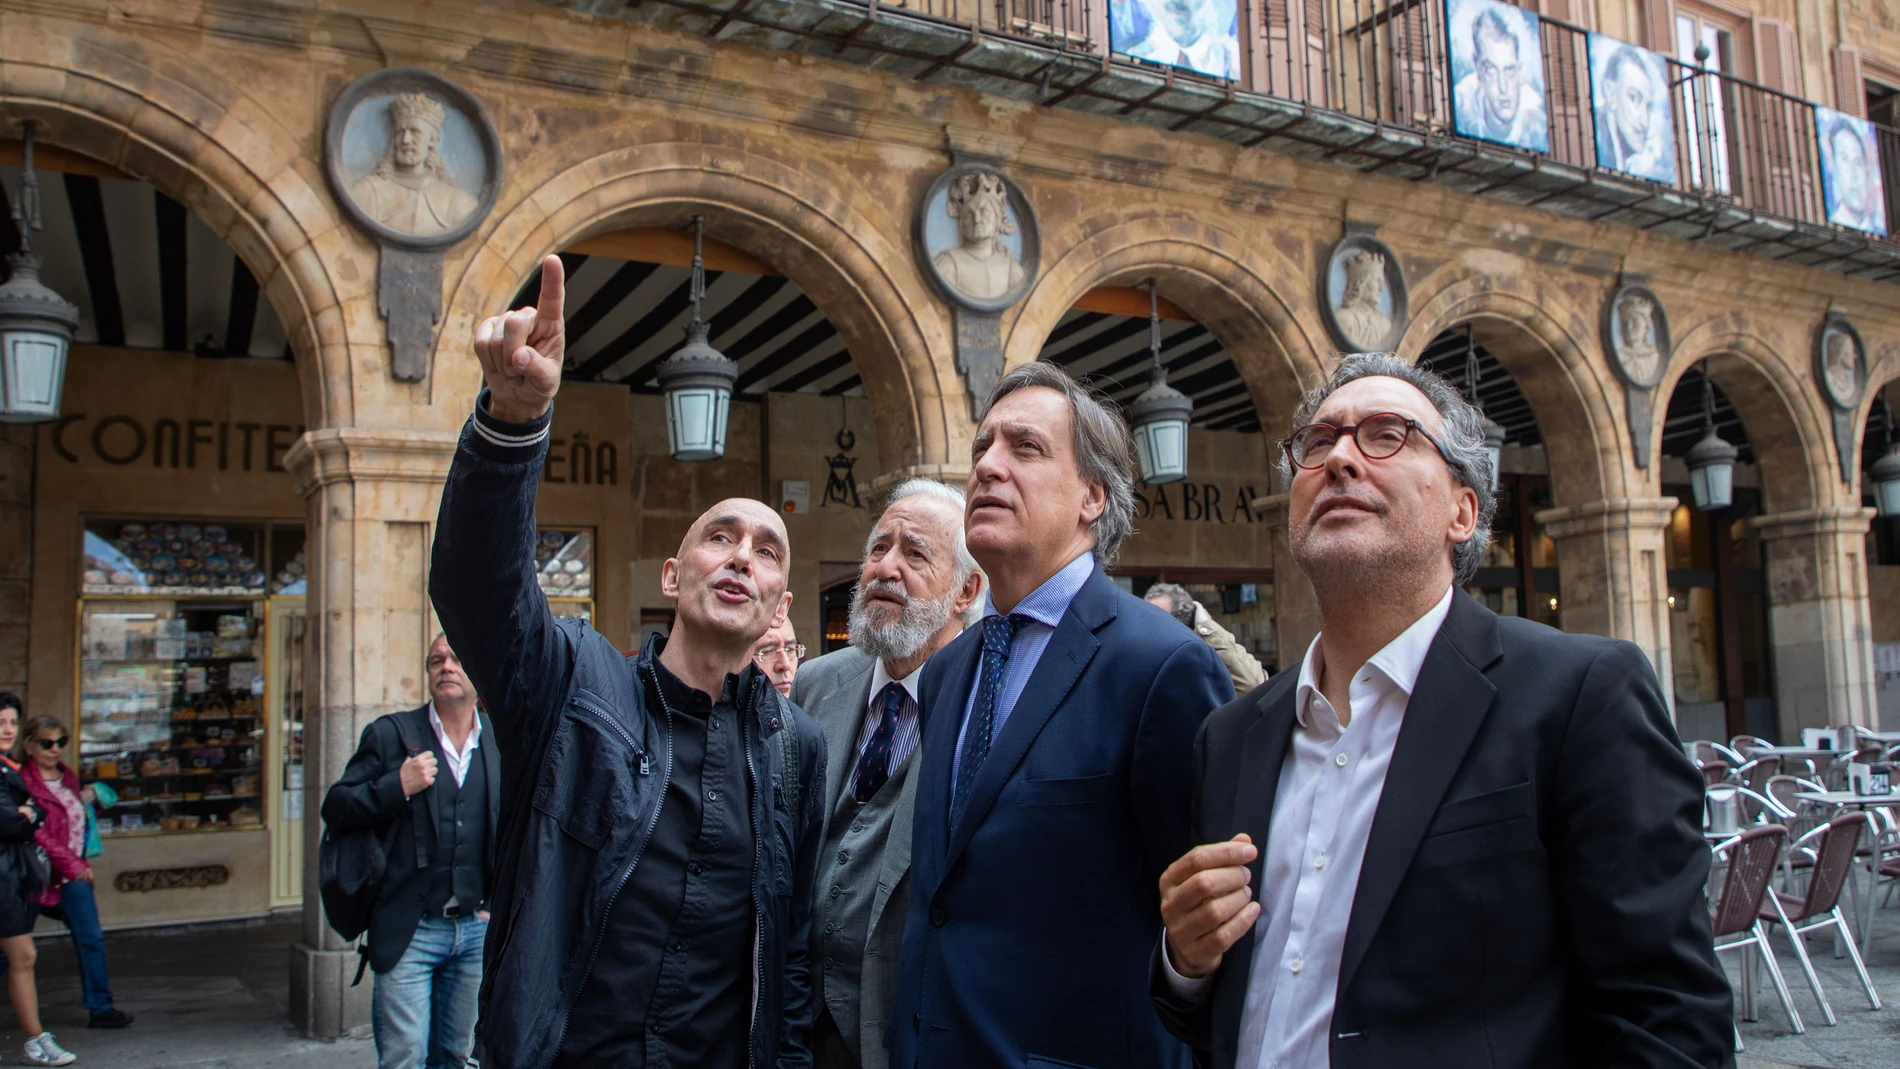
{"x":1614,"y":578}
{"x":16,"y":553}
{"x":1818,"y":616}
{"x":371,"y":501}
{"x":1295,"y":611}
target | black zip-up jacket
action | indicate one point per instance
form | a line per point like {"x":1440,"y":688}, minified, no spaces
{"x":584,"y":768}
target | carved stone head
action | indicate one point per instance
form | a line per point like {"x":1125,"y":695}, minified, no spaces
{"x":1365,"y":280}
{"x":979,"y":203}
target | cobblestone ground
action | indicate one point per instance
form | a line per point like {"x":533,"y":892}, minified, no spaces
{"x":219,"y":999}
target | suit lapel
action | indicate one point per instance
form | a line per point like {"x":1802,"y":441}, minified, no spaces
{"x":947,"y":682}
{"x":842,"y":727}
{"x":1262,"y":752}
{"x":897,"y":841}
{"x":1450,"y":701}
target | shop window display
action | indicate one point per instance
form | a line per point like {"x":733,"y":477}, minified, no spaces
{"x":564,"y":566}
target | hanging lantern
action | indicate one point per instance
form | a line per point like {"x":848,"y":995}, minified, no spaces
{"x":697,"y":380}
{"x":1160,"y":414}
{"x":36,"y":324}
{"x":1711,"y":460}
{"x":1493,"y":433}
{"x":1885,"y":472}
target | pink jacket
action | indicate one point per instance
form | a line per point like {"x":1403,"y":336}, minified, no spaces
{"x":56,"y":835}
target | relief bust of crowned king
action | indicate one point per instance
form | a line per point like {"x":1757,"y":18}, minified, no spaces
{"x":411,"y":191}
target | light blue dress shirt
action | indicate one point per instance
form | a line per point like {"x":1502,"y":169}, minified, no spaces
{"x":1045,"y":606}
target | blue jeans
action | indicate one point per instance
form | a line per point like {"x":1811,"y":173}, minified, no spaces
{"x":424,"y":1007}
{"x":80,"y":912}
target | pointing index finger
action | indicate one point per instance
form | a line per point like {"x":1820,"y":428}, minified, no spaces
{"x":553,"y":289}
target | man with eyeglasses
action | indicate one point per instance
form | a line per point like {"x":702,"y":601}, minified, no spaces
{"x":1449,"y":838}
{"x":778,"y":655}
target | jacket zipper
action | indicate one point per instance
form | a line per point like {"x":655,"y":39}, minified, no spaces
{"x":666,"y":778}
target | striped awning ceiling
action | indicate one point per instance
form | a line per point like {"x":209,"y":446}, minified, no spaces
{"x":144,"y":271}
{"x":625,"y":316}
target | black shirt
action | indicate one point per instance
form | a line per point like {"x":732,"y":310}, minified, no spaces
{"x":672,"y":984}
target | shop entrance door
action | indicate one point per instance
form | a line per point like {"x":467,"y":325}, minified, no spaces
{"x":286,"y":627}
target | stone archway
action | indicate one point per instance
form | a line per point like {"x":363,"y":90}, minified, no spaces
{"x":859,"y":278}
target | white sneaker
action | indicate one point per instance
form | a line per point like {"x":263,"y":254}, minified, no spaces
{"x":43,"y":1049}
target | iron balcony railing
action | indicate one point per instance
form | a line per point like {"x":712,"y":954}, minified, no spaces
{"x":1389,"y":61}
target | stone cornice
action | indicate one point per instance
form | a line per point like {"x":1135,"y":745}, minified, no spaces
{"x":1609,"y":514}
{"x":352,"y":455}
{"x":954,"y":475}
{"x":1851,"y":520}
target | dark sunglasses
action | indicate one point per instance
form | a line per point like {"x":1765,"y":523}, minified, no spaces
{"x":53,"y":744}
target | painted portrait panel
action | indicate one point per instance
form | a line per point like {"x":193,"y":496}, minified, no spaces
{"x":1199,"y":35}
{"x":1497,"y":72}
{"x":1850,"y":171}
{"x":1633,"y":113}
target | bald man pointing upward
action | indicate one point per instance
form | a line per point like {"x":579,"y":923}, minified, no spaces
{"x":655,"y":852}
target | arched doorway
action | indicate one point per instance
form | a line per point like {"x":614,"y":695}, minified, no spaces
{"x":1880,"y":434}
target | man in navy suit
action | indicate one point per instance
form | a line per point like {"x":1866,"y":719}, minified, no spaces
{"x":1054,"y":784}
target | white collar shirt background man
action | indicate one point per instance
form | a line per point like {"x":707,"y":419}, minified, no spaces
{"x":778,"y":655}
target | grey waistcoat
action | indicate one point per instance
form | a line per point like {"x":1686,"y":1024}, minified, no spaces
{"x":849,"y":870}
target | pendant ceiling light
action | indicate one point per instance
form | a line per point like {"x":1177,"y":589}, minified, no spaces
{"x":1711,"y":460}
{"x":1884,"y":473}
{"x":36,"y":324}
{"x":697,"y":379}
{"x":1160,"y":414}
{"x":1493,"y":433}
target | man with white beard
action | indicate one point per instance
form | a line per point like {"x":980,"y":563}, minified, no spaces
{"x":916,"y":587}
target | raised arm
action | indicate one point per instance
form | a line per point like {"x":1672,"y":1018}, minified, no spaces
{"x":1630,"y":871}
{"x":483,"y":578}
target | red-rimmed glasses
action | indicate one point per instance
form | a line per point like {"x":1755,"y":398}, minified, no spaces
{"x":1379,"y":437}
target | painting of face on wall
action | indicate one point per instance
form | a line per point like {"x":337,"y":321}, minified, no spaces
{"x":1497,"y":70}
{"x":1629,"y":99}
{"x":1200,"y":35}
{"x":1850,"y":172}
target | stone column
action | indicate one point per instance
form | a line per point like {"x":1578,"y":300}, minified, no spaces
{"x":1818,"y":616}
{"x":16,"y":553}
{"x":1295,"y":612}
{"x":1613,"y":575}
{"x":371,"y":501}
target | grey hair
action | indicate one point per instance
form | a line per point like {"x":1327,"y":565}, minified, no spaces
{"x":1179,"y":600}
{"x":949,"y":495}
{"x":1461,"y":432}
{"x":1104,"y":447}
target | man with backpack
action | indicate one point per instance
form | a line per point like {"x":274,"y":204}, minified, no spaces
{"x":661,"y":813}
{"x":424,"y":789}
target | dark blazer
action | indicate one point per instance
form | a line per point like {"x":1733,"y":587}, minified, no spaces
{"x":1533,"y":889}
{"x":370,"y":793}
{"x":1029,"y":931}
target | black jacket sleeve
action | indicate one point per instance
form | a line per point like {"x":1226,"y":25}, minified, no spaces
{"x":1192,"y":1022}
{"x":15,"y":826}
{"x":482,"y":578}
{"x":795,"y":1045}
{"x":370,"y":790}
{"x":1630,"y":870}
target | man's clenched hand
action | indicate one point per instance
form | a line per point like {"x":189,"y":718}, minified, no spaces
{"x":521,"y":351}
{"x":1207,"y":905}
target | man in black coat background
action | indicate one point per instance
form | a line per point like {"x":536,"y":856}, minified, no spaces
{"x":435,"y":773}
{"x":1472,"y":840}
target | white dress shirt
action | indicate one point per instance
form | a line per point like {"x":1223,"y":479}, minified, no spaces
{"x":1330,"y":785}
{"x":907,"y":719}
{"x":458,"y":759}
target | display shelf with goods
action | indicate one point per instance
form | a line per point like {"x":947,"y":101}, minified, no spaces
{"x":564,"y":567}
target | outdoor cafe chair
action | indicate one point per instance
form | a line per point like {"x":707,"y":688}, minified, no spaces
{"x":1743,"y":743}
{"x":1705,"y":751}
{"x":1751,"y":864}
{"x":1755,"y":774}
{"x":1715,"y":772}
{"x":1831,"y":846}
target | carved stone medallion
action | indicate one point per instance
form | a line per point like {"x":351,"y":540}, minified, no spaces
{"x":977,"y":240}
{"x":415,"y":162}
{"x":1362,"y":293}
{"x":1840,"y":369}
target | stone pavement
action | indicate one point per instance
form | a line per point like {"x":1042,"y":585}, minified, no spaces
{"x":218,"y":998}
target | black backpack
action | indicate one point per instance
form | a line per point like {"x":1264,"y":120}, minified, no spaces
{"x":351,"y":865}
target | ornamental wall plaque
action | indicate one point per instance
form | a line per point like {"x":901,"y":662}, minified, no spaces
{"x":977,"y":240}
{"x":1840,"y":369}
{"x":1636,"y":339}
{"x":415,"y":163}
{"x":1362,"y":294}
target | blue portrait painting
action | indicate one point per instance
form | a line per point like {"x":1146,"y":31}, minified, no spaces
{"x":1630,"y":107}
{"x":1497,"y":71}
{"x":1198,"y":35}
{"x":1850,"y":172}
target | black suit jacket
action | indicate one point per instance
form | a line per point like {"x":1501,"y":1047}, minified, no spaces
{"x":1533,"y":893}
{"x":370,"y":794}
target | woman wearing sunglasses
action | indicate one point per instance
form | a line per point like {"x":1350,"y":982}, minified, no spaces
{"x":69,"y":898}
{"x":22,"y":877}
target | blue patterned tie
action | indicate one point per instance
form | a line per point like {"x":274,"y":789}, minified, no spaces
{"x":874,"y":767}
{"x":998,"y":632}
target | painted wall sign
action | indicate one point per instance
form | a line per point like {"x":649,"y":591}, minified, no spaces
{"x":1196,"y":503}
{"x":581,"y":461}
{"x":192,"y":444}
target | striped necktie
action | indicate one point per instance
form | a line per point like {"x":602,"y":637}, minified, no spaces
{"x":874,"y":767}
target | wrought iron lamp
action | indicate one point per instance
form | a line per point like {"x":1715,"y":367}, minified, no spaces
{"x":1711,"y":460}
{"x":697,"y":379}
{"x":1160,"y":414}
{"x":1493,"y":433}
{"x":1884,"y":473}
{"x":36,"y":324}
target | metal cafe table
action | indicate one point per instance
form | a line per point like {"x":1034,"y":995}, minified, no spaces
{"x":1863,"y":802}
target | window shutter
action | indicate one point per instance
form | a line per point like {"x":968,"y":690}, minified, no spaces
{"x":1850,"y":86}
{"x":1660,"y":20}
{"x":1776,"y":65}
{"x":1575,"y":12}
